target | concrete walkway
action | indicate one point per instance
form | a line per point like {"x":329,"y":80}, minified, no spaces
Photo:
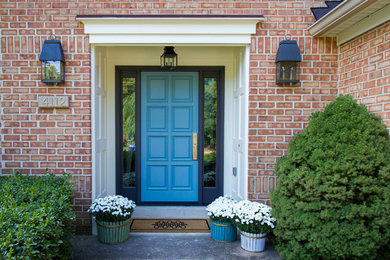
{"x":166,"y":246}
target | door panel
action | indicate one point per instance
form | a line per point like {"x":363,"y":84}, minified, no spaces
{"x":169,"y":117}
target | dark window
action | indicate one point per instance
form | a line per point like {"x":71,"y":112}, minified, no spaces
{"x":210,"y":132}
{"x":128,"y":139}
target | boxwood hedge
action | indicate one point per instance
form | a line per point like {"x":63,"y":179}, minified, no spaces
{"x":36,"y":217}
{"x":332,"y":200}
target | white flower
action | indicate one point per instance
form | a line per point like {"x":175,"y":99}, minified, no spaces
{"x":249,"y":212}
{"x":222,"y":207}
{"x":116,"y":205}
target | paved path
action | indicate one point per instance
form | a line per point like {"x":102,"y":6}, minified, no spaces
{"x":166,"y":246}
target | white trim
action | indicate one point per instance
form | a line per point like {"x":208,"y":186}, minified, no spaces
{"x":148,"y":18}
{"x":236,"y":148}
{"x":93,"y":129}
{"x":334,"y":17}
{"x":365,"y":25}
{"x":194,"y":39}
{"x":169,"y":26}
{"x":138,"y":41}
{"x":189,"y":56}
{"x":245,"y":68}
{"x":93,"y":120}
{"x":347,"y":15}
{"x":108,"y":30}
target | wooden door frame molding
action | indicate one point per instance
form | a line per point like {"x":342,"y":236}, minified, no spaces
{"x":205,"y":194}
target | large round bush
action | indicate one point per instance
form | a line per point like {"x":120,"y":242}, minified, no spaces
{"x":332,"y":200}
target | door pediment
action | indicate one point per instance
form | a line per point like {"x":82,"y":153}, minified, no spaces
{"x":171,"y":29}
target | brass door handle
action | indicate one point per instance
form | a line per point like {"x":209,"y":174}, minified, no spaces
{"x":194,"y":146}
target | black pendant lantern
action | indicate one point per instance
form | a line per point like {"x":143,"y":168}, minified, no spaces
{"x":168,"y":60}
{"x":287,"y":61}
{"x":52,"y":61}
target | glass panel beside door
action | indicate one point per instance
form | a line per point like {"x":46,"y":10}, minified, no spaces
{"x":128,"y":139}
{"x":210,"y":132}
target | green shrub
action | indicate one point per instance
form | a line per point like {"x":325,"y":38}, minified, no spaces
{"x":332,"y":200}
{"x":36,"y":217}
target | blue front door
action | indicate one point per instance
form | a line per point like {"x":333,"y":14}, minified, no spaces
{"x":169,"y":127}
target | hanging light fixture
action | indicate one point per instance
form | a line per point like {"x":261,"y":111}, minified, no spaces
{"x":52,"y":61}
{"x":287,"y":61}
{"x":168,"y":59}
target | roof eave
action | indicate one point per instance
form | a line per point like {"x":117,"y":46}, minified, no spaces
{"x":335,"y":17}
{"x":345,"y":15}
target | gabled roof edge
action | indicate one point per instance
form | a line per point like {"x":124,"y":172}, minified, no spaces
{"x":335,"y":16}
{"x":350,"y":19}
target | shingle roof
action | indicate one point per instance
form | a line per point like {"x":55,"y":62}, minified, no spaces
{"x":319,"y":12}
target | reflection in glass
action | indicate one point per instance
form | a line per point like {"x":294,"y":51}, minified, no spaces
{"x":210,"y":132}
{"x":128,"y":86}
{"x":52,"y":69}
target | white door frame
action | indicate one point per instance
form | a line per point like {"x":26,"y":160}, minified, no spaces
{"x":223,"y":42}
{"x":236,"y":62}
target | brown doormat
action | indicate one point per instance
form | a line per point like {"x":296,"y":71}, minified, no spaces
{"x":170,"y":225}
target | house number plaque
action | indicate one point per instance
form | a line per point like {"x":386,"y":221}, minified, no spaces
{"x":53,"y":102}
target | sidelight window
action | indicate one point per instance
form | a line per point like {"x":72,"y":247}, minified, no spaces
{"x":210,"y":132}
{"x":128,"y":139}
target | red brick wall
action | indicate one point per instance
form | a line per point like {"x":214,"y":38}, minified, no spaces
{"x":33,"y":139}
{"x":365,"y":70}
{"x":276,"y":113}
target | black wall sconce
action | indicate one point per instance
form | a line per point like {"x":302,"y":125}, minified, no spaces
{"x":287,"y":61}
{"x":52,"y":61}
{"x":168,"y":59}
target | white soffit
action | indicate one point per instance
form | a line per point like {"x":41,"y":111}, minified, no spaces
{"x":166,"y":29}
{"x":351,"y":18}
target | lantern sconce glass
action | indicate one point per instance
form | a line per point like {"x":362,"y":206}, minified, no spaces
{"x":52,"y":61}
{"x":168,"y":59}
{"x":287,"y":61}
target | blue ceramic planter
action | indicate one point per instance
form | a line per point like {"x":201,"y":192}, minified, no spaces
{"x":223,"y":232}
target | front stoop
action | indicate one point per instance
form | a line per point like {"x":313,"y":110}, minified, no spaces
{"x":166,"y":246}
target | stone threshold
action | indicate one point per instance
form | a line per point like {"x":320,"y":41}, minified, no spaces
{"x":170,"y":212}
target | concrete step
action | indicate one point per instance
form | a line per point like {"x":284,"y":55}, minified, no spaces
{"x":170,"y":212}
{"x":166,"y":246}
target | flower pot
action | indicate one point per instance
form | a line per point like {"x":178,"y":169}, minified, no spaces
{"x":113,"y":232}
{"x":223,"y":232}
{"x":254,"y":243}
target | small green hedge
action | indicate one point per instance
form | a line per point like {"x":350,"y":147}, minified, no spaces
{"x":36,"y":217}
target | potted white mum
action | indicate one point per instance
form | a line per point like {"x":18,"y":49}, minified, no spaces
{"x":254,"y":220}
{"x":112,"y":215}
{"x":221,"y":216}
